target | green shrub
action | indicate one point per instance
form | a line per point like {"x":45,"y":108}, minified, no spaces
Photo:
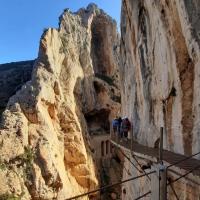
{"x":2,"y":166}
{"x":27,"y":158}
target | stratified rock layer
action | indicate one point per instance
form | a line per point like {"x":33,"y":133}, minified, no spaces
{"x":45,"y":150}
{"x":161,"y":74}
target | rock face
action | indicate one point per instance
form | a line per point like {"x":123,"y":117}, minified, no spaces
{"x":160,"y":76}
{"x":12,"y":77}
{"x":160,"y":52}
{"x":45,"y":150}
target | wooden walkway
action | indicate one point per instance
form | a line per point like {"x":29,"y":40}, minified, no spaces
{"x":168,"y":156}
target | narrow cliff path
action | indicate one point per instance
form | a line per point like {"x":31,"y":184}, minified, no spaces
{"x":189,"y":164}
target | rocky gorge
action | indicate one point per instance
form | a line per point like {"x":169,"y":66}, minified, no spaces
{"x":45,"y":146}
{"x":85,"y":75}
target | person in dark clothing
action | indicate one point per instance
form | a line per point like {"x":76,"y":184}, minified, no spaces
{"x":125,"y":127}
{"x":119,"y":126}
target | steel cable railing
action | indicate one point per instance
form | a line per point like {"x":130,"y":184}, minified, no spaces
{"x":186,"y":178}
{"x":181,"y":176}
{"x":177,"y":164}
{"x":173,"y":190}
{"x":144,"y":195}
{"x":133,"y":156}
{"x":180,"y":161}
{"x":190,"y":171}
{"x":130,"y":160}
{"x":109,"y":186}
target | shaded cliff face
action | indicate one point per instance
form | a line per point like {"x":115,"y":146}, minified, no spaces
{"x":12,"y":77}
{"x":160,"y":73}
{"x":160,"y":78}
{"x":45,"y":149}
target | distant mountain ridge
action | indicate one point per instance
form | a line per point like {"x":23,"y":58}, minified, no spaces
{"x":12,"y":76}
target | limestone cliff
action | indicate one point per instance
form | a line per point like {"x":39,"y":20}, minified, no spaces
{"x":160,"y":76}
{"x":45,"y":150}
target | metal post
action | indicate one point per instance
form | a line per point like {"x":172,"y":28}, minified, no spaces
{"x":162,"y":170}
{"x":158,"y":183}
{"x":161,"y":145}
{"x":163,"y":185}
{"x":158,"y":180}
{"x":154,"y":183}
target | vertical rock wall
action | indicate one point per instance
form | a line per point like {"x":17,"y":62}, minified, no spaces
{"x":160,"y":73}
{"x":160,"y":78}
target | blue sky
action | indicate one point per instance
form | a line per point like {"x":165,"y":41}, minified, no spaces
{"x":22,"y":23}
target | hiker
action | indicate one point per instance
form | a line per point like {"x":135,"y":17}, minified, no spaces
{"x":119,"y":126}
{"x":125,"y":127}
{"x":115,"y":125}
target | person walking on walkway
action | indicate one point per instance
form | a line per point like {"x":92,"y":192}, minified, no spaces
{"x":119,"y":126}
{"x":115,"y":125}
{"x":125,"y":127}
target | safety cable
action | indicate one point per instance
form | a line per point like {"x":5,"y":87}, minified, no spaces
{"x":129,"y":160}
{"x":127,"y":171}
{"x":140,"y":166}
{"x":198,"y":166}
{"x":144,"y":195}
{"x":142,"y":170}
{"x":170,"y":184}
{"x":188,"y":179}
{"x":109,"y":186}
{"x":115,"y":143}
{"x":180,"y":161}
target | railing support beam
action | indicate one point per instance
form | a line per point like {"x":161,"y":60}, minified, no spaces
{"x":158,"y":183}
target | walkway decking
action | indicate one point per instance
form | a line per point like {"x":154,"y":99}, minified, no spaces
{"x":168,"y":156}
